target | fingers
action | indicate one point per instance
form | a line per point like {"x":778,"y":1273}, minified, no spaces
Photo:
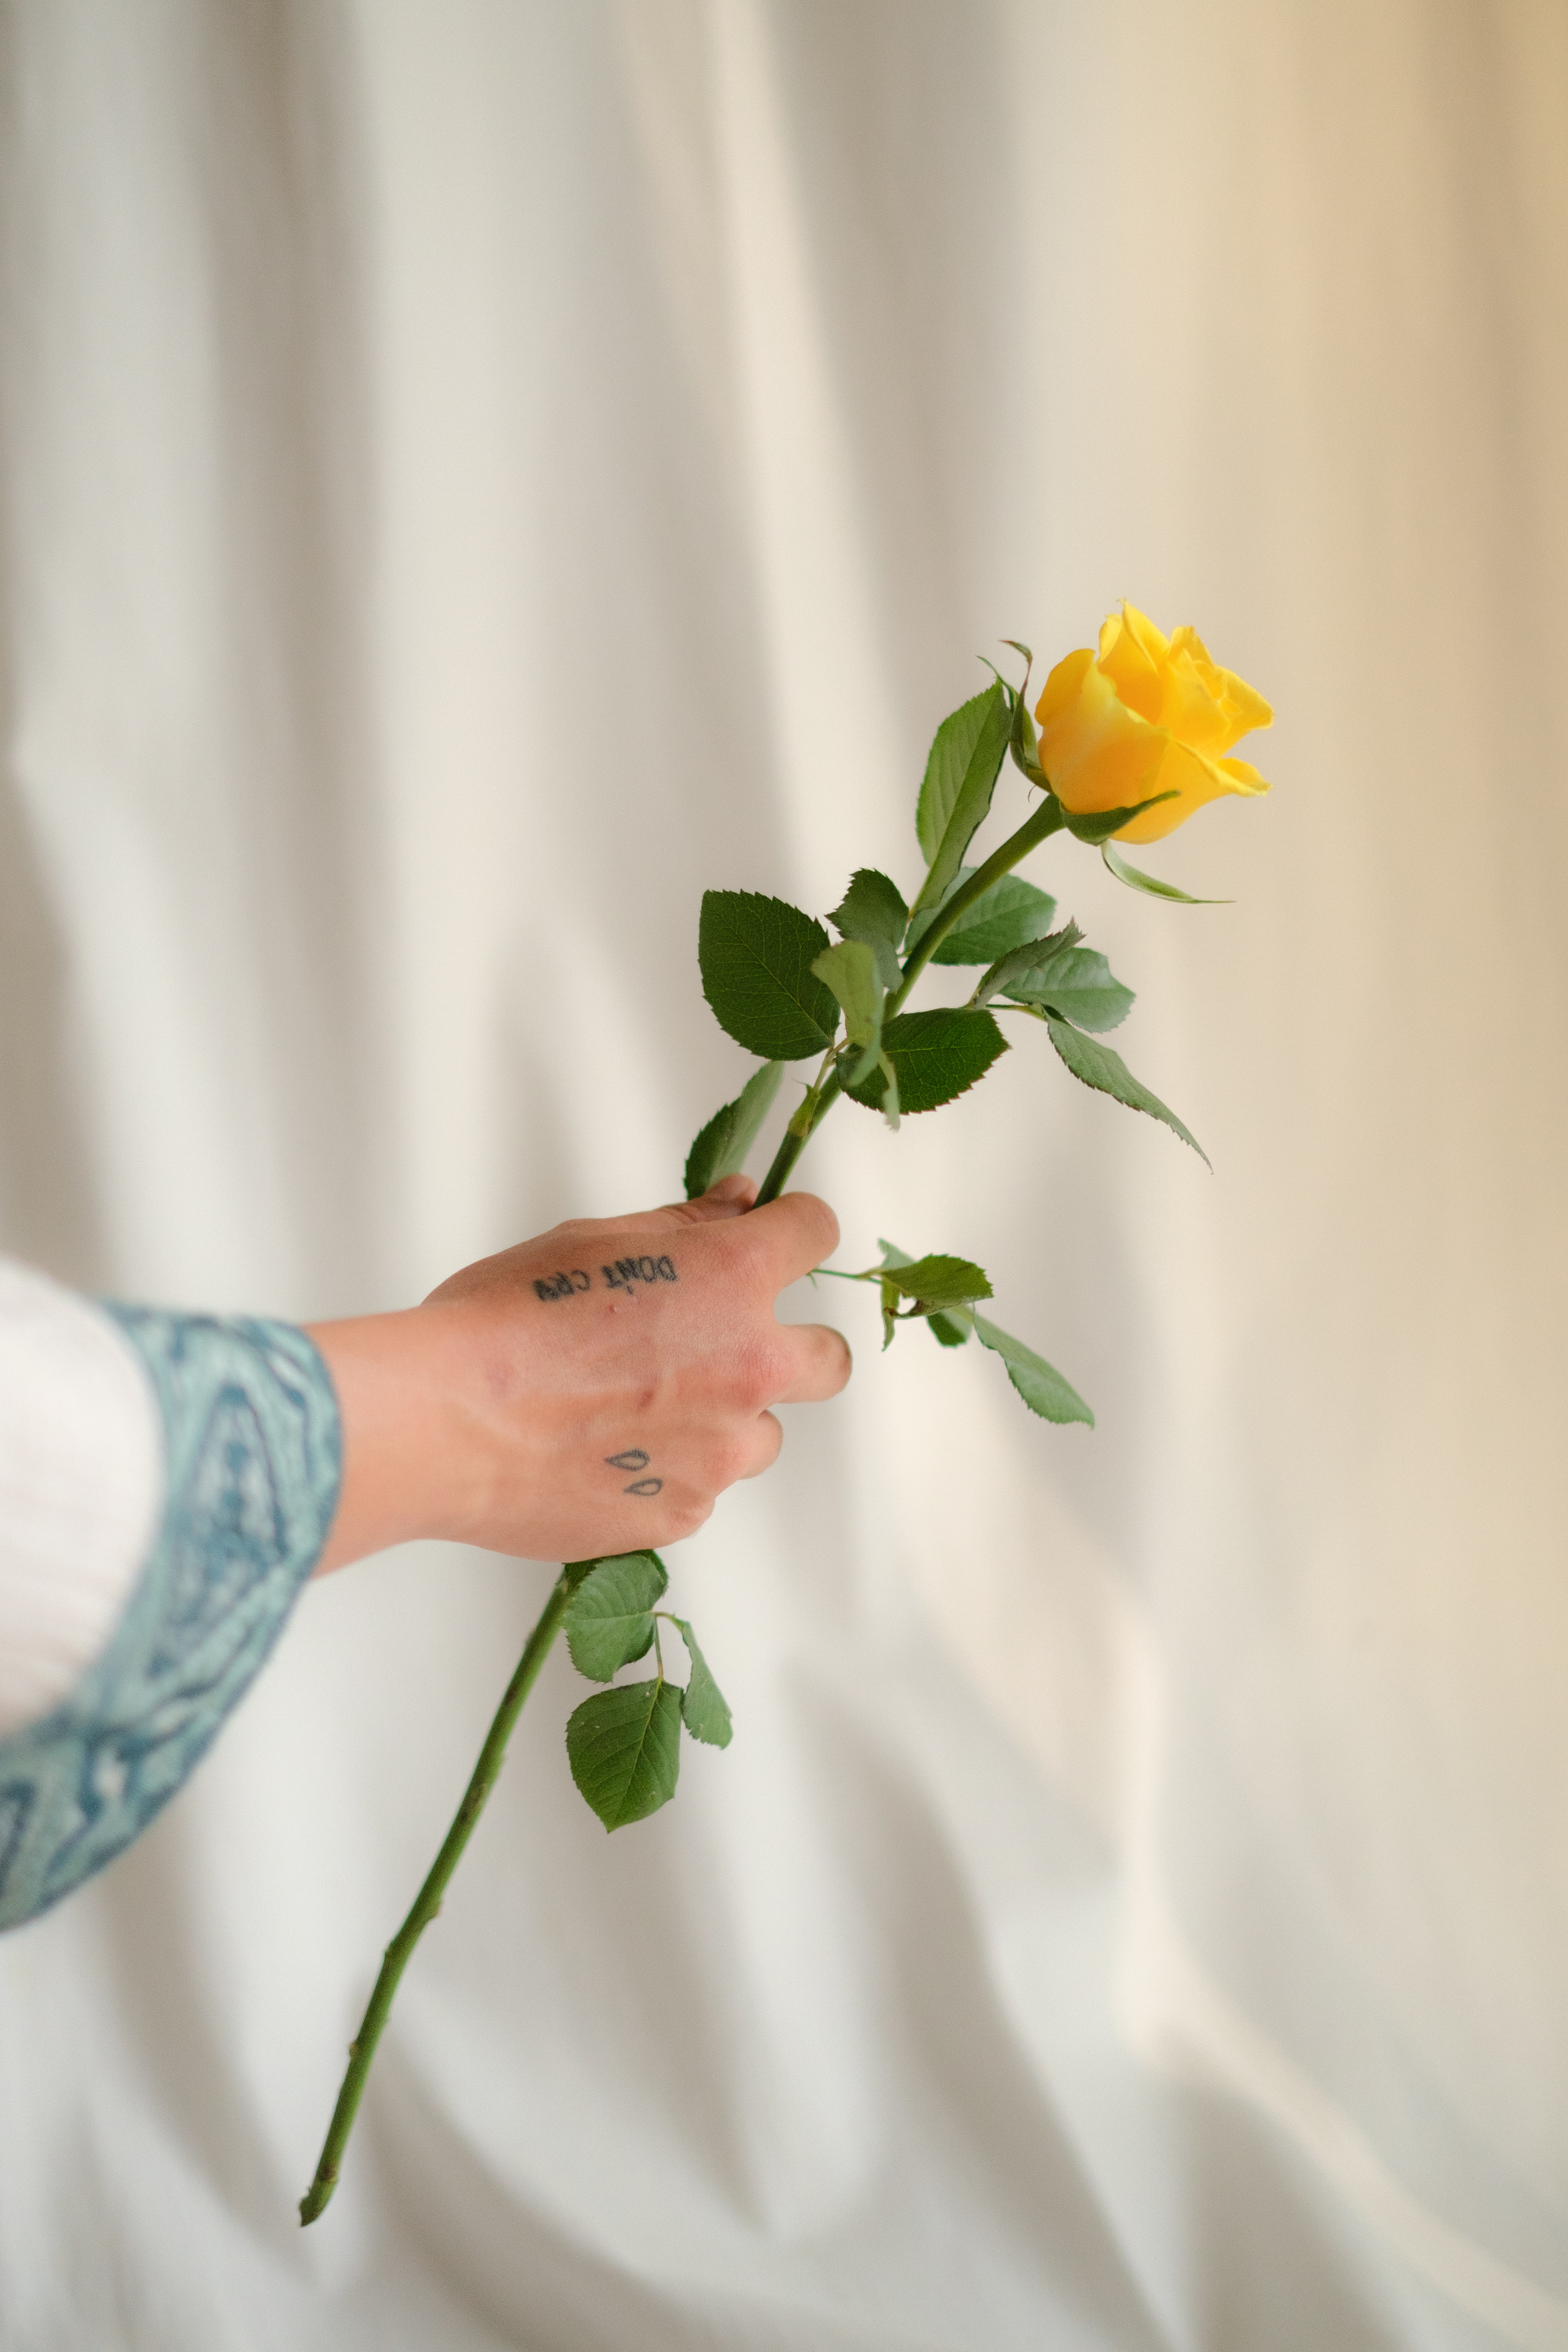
{"x":740,"y":1189}
{"x":769,"y":1438}
{"x":798,"y":1232}
{"x":818,"y":1363}
{"x":731,"y":1197}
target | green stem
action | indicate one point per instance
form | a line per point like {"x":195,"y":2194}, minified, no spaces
{"x":428,"y":1902}
{"x":798,"y":1133}
{"x":1046,"y":819}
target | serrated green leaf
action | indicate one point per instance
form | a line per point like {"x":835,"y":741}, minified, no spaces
{"x":1039,"y":1384}
{"x":849,"y":969}
{"x":1095,"y":825}
{"x":1018,"y":962}
{"x":953,"y":748}
{"x":756,"y":955}
{"x":1096,"y":1065}
{"x":937,"y":1281}
{"x":720,"y":1148}
{"x":937,"y":1056}
{"x":947,"y":1330}
{"x":1078,"y":984}
{"x":1136,"y":880}
{"x":1007,"y":915}
{"x":703,"y":1709}
{"x":873,"y":911}
{"x":962,"y":796}
{"x":609,"y":1618}
{"x":624,"y":1748}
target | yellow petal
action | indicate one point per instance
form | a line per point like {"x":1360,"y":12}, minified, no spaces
{"x":1245,"y":704}
{"x":1197,"y":781}
{"x":1242,"y":707}
{"x":1244,"y":778}
{"x":1132,"y":654}
{"x":1193,"y":711}
{"x":1186,"y":640}
{"x":1096,"y":752}
{"x":1154,"y":642}
{"x":1062,"y":685}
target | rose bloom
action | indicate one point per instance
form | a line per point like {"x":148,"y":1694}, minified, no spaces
{"x":1147,"y":714}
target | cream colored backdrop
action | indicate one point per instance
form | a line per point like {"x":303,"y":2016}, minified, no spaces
{"x":475,"y":474}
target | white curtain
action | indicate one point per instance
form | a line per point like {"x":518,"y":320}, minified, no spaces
{"x":475,"y":473}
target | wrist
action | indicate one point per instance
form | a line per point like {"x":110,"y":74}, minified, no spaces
{"x":412,"y":1465}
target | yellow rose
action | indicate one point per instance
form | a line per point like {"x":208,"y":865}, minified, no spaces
{"x":1146,"y":714}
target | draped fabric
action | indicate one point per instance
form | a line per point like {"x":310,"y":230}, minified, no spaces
{"x":475,"y":473}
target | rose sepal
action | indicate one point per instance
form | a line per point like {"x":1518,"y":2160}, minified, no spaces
{"x":1025,"y":742}
{"x":1095,"y":825}
{"x":1136,"y":880}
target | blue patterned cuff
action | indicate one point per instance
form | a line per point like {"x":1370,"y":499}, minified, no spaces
{"x":253,"y":1462}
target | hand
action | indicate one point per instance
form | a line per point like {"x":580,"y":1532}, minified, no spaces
{"x":587,"y":1392}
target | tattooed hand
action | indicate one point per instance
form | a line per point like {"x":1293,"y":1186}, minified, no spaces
{"x":590,"y":1392}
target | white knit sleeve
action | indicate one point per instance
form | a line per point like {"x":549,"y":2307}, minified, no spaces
{"x":81,"y":1488}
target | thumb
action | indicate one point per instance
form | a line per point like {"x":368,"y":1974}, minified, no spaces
{"x":731,"y":1197}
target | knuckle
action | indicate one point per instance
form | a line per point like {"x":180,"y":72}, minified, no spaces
{"x":747,"y":1250}
{"x":767,"y":1372}
{"x":684,"y":1212}
{"x":731,"y":1458}
{"x":689,"y":1515}
{"x":818,"y":1219}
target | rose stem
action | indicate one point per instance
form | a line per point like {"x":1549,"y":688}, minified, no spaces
{"x":428,"y":1902}
{"x":1045,"y":820}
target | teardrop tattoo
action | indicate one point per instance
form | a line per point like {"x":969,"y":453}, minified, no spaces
{"x":634,"y":1459}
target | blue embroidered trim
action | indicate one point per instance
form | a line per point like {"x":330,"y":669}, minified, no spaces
{"x":254,"y":1457}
